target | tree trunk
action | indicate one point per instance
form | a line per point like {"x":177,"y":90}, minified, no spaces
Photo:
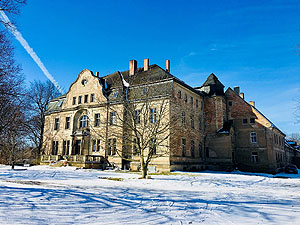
{"x":144,"y":168}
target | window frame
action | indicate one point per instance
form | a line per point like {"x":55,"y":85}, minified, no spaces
{"x":253,"y":137}
{"x":97,"y":120}
{"x":84,"y":121}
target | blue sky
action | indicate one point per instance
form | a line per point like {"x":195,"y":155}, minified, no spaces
{"x":251,"y":44}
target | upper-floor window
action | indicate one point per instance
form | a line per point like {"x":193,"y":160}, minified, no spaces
{"x":137,"y":116}
{"x":199,"y":123}
{"x":84,"y":121}
{"x":197,"y":103}
{"x":153,"y":115}
{"x":192,"y":101}
{"x":115,"y":94}
{"x":135,"y":150}
{"x":79,"y":99}
{"x":185,"y":97}
{"x":86,"y":98}
{"x":94,"y":145}
{"x":229,"y":103}
{"x":192,"y":148}
{"x":253,"y":138}
{"x":56,"y":123}
{"x":145,"y":90}
{"x":192,"y":121}
{"x":97,"y":119}
{"x":183,"y":118}
{"x":74,"y":100}
{"x":67,"y":122}
{"x":179,"y":94}
{"x":112,"y":119}
{"x":92,"y":99}
{"x":252,"y":120}
{"x":245,"y":121}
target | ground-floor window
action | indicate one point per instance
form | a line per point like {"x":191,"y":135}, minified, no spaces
{"x":54,"y":147}
{"x":66,"y":147}
{"x":254,"y":157}
{"x":192,"y":148}
{"x":183,"y":146}
{"x":112,"y":146}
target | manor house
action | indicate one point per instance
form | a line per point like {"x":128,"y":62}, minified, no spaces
{"x":195,"y":128}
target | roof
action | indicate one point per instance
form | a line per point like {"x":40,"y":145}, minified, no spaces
{"x":212,"y":80}
{"x":154,"y":74}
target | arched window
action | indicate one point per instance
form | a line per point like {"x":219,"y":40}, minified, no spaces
{"x":84,"y":121}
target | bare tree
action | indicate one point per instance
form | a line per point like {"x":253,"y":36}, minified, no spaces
{"x":142,"y":123}
{"x":39,"y":96}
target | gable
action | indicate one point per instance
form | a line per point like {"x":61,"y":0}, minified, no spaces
{"x":85,"y":84}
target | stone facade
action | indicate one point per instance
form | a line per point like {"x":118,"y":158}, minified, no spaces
{"x":207,"y":127}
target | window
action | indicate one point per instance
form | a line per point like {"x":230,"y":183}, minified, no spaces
{"x":135,"y":146}
{"x":137,"y":116}
{"x":94,"y":145}
{"x":245,"y":121}
{"x":84,"y":121}
{"x":145,"y":90}
{"x":56,"y":123}
{"x":207,"y":152}
{"x":192,"y":148}
{"x":183,"y":118}
{"x":179,"y":94}
{"x":229,"y":103}
{"x":92,"y":99}
{"x":97,"y":119}
{"x":200,"y":149}
{"x":192,"y":101}
{"x":252,"y":120}
{"x":183,"y":146}
{"x":153,"y":116}
{"x":185,"y":97}
{"x":199,"y":123}
{"x":197,"y":103}
{"x":112,"y":119}
{"x":115,"y":94}
{"x":254,"y":157}
{"x":86,"y":98}
{"x":64,"y":148}
{"x":192,"y":121}
{"x":112,"y":146}
{"x":79,"y":99}
{"x":153,"y":146}
{"x":68,"y":147}
{"x":253,"y":137}
{"x":54,"y":147}
{"x":98,"y":145}
{"x":74,"y":100}
{"x":67,"y":122}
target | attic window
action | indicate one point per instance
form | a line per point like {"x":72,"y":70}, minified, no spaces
{"x":116,"y":94}
{"x":245,"y":121}
{"x":229,"y":103}
{"x":252,"y":120}
{"x":83,"y":82}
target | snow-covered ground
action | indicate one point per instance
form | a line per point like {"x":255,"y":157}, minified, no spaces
{"x":45,"y":195}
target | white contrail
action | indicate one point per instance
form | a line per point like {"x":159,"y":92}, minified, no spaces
{"x":29,"y":50}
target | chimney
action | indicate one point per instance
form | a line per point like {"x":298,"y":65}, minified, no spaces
{"x":146,"y":64}
{"x":132,"y":67}
{"x":237,"y":90}
{"x":242,"y":95}
{"x":168,"y":65}
{"x":97,"y":74}
{"x":252,"y":103}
